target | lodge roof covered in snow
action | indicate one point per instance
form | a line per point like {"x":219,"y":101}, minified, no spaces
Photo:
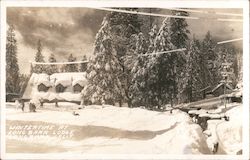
{"x":67,"y":80}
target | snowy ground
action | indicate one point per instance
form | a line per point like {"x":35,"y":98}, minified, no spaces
{"x":111,"y":130}
{"x":227,"y":133}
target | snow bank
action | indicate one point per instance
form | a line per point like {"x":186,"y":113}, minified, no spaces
{"x":69,"y":96}
{"x":230,"y":133}
{"x":157,"y":132}
{"x":186,"y":138}
{"x":227,"y":133}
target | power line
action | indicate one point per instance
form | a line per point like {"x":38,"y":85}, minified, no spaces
{"x":186,"y":10}
{"x":228,"y":41}
{"x":145,"y":13}
{"x":230,"y":20}
{"x":205,"y":12}
{"x":171,"y":16}
{"x":170,"y":51}
{"x":57,"y":63}
{"x":228,"y":14}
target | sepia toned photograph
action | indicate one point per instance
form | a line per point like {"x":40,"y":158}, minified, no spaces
{"x":124,"y":81}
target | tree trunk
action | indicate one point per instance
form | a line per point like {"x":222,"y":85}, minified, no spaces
{"x":56,"y":104}
{"x":120,"y":103}
{"x":129,"y":102}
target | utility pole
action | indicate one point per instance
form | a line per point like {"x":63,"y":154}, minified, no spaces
{"x":226,"y":75}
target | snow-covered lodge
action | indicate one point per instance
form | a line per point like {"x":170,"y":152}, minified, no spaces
{"x":56,"y":87}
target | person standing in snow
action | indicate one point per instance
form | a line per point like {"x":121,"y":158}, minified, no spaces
{"x":33,"y":104}
{"x":23,"y":105}
{"x":18,"y":104}
{"x":32,"y":107}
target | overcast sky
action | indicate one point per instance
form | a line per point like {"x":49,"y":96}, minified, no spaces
{"x":72,"y":30}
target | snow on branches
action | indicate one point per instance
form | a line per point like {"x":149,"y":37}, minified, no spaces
{"x":104,"y":85}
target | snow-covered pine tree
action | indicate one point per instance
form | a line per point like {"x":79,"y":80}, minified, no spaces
{"x":179,"y":38}
{"x":152,"y":35}
{"x":139,"y":89}
{"x":12,"y":68}
{"x":52,"y":68}
{"x":138,"y":71}
{"x":179,"y":31}
{"x":104,"y":85}
{"x":147,"y":22}
{"x":161,"y":68}
{"x":123,"y":27}
{"x":210,"y":72}
{"x":192,"y":78}
{"x":228,"y":54}
{"x":71,"y":67}
{"x":232,"y":57}
{"x":83,"y":66}
{"x":38,"y":68}
{"x":129,"y":61}
{"x":207,"y":43}
{"x":150,"y":69}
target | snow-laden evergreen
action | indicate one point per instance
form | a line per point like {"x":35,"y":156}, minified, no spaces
{"x":71,"y":67}
{"x":180,"y":39}
{"x":191,"y":84}
{"x":152,"y":34}
{"x":209,"y":59}
{"x":141,"y":73}
{"x":12,"y":68}
{"x":52,"y":68}
{"x":156,"y":76}
{"x":39,"y":58}
{"x":179,"y":29}
{"x":103,"y":71}
{"x":161,"y":68}
{"x":83,"y":66}
{"x":123,"y":28}
{"x":138,"y":88}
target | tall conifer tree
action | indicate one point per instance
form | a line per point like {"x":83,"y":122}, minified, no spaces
{"x":12,"y":68}
{"x":104,"y":86}
{"x":38,"y":68}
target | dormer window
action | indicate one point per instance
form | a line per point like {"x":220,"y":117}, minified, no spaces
{"x":42,"y":88}
{"x":77,"y":88}
{"x":60,"y":88}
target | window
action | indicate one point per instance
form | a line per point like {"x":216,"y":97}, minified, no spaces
{"x":60,"y":88}
{"x":77,"y":88}
{"x":42,"y":88}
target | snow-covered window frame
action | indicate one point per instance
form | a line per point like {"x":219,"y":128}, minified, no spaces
{"x":77,"y":88}
{"x":42,"y":87}
{"x":60,"y":88}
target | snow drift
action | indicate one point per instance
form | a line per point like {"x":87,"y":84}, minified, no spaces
{"x":228,"y":134}
{"x":115,"y":130}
